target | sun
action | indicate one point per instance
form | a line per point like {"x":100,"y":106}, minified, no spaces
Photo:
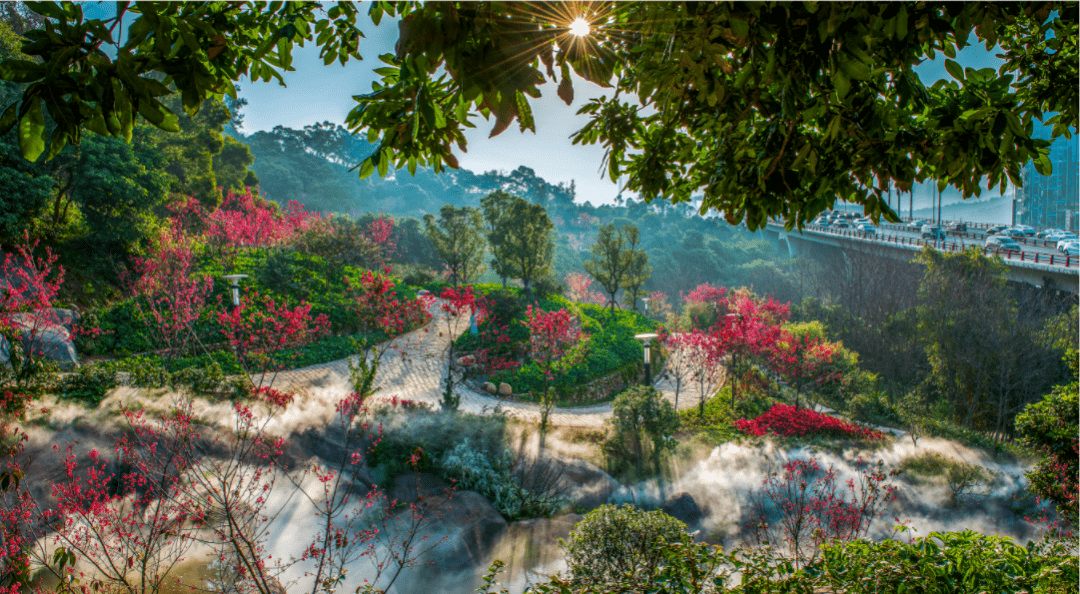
{"x":580,"y":27}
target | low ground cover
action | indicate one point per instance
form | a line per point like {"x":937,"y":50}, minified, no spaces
{"x":787,"y":421}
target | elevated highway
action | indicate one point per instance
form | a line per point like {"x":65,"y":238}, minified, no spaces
{"x":1034,"y":264}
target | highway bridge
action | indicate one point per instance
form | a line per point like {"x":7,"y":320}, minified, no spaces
{"x":1037,"y":263}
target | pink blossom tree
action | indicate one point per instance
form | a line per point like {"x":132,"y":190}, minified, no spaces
{"x":28,"y":285}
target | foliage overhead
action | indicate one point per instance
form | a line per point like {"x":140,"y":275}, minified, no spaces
{"x":768,"y":109}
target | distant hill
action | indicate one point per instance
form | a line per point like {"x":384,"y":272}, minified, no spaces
{"x":312,"y":166}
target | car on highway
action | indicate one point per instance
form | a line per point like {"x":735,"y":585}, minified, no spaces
{"x":995,"y":230}
{"x":1026,"y":230}
{"x":1064,"y":243}
{"x":1011,"y":232}
{"x":932,"y":232}
{"x":997,"y":242}
{"x":867,"y":228}
{"x":1062,"y":236}
{"x":914,"y":225}
{"x":1049,"y":233}
{"x":1072,"y":250}
{"x":841,"y":224}
{"x":958,"y":227}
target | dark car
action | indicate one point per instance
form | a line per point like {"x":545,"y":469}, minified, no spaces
{"x":995,"y":230}
{"x":958,"y":227}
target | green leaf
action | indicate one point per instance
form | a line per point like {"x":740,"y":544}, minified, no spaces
{"x":841,"y":82}
{"x":59,"y":141}
{"x":11,"y":115}
{"x":367,"y":167}
{"x":32,"y":132}
{"x":21,"y":71}
{"x":1042,"y":164}
{"x":954,"y":69}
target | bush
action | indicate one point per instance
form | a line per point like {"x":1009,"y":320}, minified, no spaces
{"x":788,"y":421}
{"x":493,"y":477}
{"x":434,"y":434}
{"x":89,"y":385}
{"x":640,"y":414}
{"x":873,"y":408}
{"x":621,"y":545}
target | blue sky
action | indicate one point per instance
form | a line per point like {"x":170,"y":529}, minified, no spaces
{"x":316,"y":93}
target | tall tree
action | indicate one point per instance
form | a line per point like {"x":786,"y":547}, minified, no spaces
{"x":496,"y":208}
{"x":457,"y":236}
{"x":638,"y":271}
{"x":611,"y":259}
{"x":523,"y":239}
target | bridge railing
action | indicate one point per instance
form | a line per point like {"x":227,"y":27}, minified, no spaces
{"x":1064,"y":261}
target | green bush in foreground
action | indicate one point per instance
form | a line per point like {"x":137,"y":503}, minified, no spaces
{"x":939,"y":563}
{"x":621,"y":545}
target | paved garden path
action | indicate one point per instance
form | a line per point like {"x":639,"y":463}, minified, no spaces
{"x":414,"y":369}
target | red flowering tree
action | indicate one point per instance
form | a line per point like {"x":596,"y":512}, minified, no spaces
{"x":247,"y":220}
{"x":679,"y":359}
{"x":168,"y":294}
{"x":380,"y":233}
{"x":704,"y":360}
{"x":259,"y":329}
{"x":28,"y":285}
{"x":803,"y":507}
{"x":804,"y":359}
{"x":551,"y":338}
{"x":748,"y":330}
{"x":457,"y":305}
{"x":579,"y":289}
{"x":381,"y":315}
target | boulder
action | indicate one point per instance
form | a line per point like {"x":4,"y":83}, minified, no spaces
{"x":504,"y":389}
{"x":682,"y":507}
{"x":68,"y":318}
{"x":490,"y":388}
{"x":466,"y":361}
{"x":45,"y":338}
{"x":585,"y":485}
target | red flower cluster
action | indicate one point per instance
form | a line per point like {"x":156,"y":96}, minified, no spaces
{"x":245,"y":219}
{"x":786,"y":420}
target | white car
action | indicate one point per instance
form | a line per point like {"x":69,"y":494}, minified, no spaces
{"x":1072,"y":250}
{"x":1065,"y":243}
{"x":1025,"y":229}
{"x":868,"y":228}
{"x":999,"y":242}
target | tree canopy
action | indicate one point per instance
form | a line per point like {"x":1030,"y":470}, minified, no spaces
{"x":765,"y":108}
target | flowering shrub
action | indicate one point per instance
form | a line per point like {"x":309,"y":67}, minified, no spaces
{"x":813,"y":509}
{"x":28,"y":284}
{"x":168,"y":294}
{"x":788,"y":421}
{"x":579,"y":289}
{"x":247,"y":220}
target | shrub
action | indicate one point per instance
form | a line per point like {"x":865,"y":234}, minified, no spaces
{"x":89,"y":385}
{"x":434,"y":433}
{"x":621,"y":545}
{"x":493,"y":477}
{"x":788,"y":421}
{"x":640,"y":414}
{"x":873,"y":408}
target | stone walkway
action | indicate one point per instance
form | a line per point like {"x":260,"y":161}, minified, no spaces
{"x":414,"y":367}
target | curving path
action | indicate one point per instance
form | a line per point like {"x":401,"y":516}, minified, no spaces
{"x":414,"y":369}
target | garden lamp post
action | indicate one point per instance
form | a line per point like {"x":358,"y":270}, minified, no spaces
{"x":645,"y":300}
{"x":235,"y":287}
{"x":735,"y":319}
{"x":647,"y":340}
